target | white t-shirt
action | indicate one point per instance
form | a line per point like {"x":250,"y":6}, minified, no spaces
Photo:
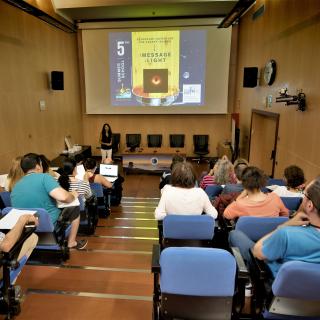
{"x":282,"y":191}
{"x":184,"y":201}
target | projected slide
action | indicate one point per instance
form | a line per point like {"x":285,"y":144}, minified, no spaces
{"x":157,"y":68}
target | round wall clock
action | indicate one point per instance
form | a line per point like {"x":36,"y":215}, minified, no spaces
{"x":270,"y":71}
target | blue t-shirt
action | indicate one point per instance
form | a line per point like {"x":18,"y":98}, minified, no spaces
{"x":32,"y":191}
{"x":292,"y":243}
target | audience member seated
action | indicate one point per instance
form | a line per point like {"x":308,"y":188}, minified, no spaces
{"x":14,"y":175}
{"x":46,"y":166}
{"x":296,"y":239}
{"x":211,"y":165}
{"x":68,"y":181}
{"x":166,"y":176}
{"x":7,"y":241}
{"x":294,"y":178}
{"x":222,"y":173}
{"x":39,"y":190}
{"x":239,"y":165}
{"x":91,"y":166}
{"x":182,"y":197}
{"x":252,"y":201}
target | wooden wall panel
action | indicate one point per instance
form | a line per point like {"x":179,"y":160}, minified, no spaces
{"x":289,"y":32}
{"x":29,"y":50}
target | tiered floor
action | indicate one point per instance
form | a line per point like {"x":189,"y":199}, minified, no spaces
{"x":111,"y":279}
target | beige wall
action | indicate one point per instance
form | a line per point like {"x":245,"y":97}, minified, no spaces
{"x":29,"y":49}
{"x":288,"y":32}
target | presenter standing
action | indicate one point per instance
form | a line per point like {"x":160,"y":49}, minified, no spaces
{"x":106,"y":142}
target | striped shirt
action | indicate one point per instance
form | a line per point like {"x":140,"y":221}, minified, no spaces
{"x":82,"y":187}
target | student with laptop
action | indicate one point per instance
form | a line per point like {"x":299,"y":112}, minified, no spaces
{"x":90,"y":166}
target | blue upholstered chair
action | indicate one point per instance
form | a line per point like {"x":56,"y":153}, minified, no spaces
{"x":294,"y":293}
{"x":103,"y":199}
{"x":11,"y":268}
{"x":195,"y":283}
{"x":213,"y":191}
{"x":5,"y":197}
{"x":52,"y":244}
{"x":256,"y":227}
{"x":188,"y":230}
{"x":278,"y":182}
{"x":292,"y":203}
{"x":88,"y":215}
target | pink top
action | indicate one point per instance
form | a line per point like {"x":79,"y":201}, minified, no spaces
{"x":271,"y":206}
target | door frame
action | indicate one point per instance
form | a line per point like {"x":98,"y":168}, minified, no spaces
{"x":272,"y":115}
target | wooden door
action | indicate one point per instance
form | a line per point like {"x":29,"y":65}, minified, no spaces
{"x":263,"y":140}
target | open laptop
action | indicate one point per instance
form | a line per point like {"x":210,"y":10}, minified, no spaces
{"x":109,"y":171}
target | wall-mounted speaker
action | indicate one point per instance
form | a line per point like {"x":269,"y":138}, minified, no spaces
{"x":250,"y":77}
{"x":57,"y":80}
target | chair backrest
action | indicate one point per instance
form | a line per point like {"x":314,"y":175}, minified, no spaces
{"x":256,"y":227}
{"x":45,"y":223}
{"x":213,"y":190}
{"x":197,"y":283}
{"x":154,"y":140}
{"x":5,"y":197}
{"x":188,"y":227}
{"x":201,"y":142}
{"x":133,"y":140}
{"x":176,"y":140}
{"x":278,"y":182}
{"x":292,"y":203}
{"x":296,"y":290}
{"x":97,"y":189}
{"x":115,"y":142}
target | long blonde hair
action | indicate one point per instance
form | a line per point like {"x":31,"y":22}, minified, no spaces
{"x":15,"y":173}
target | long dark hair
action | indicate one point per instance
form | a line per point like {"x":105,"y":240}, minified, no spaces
{"x":104,"y":132}
{"x":67,"y":169}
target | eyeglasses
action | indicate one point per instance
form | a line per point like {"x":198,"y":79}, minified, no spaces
{"x":306,"y":195}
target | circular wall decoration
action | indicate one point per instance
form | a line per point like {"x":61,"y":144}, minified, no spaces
{"x":270,"y":71}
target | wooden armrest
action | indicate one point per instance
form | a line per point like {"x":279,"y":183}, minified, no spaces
{"x":243,"y":271}
{"x":155,"y":265}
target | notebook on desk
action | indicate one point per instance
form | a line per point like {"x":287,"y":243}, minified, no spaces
{"x":109,"y":171}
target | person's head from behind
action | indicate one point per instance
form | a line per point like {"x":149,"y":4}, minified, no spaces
{"x":253,"y":179}
{"x":183,"y":175}
{"x":176,"y":159}
{"x":311,"y":200}
{"x":222,"y":171}
{"x":106,"y":130}
{"x":69,"y":168}
{"x":90,"y":165}
{"x":294,"y":177}
{"x":15,"y":173}
{"x":31,"y":162}
{"x":212,"y":163}
{"x":239,"y":165}
{"x":45,"y":163}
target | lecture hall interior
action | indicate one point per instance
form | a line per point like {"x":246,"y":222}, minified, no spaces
{"x":240,"y":74}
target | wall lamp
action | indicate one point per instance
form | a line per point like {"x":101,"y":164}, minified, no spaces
{"x":299,"y":99}
{"x":237,"y":11}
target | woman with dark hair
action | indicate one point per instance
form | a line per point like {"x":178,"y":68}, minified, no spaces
{"x":182,"y":197}
{"x":252,"y":201}
{"x":68,"y":181}
{"x":91,"y":165}
{"x":106,"y":142}
{"x":295,"y":180}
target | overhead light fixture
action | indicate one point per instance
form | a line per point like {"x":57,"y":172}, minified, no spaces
{"x":237,"y":11}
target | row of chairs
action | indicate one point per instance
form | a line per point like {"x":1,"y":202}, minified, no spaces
{"x":208,"y":283}
{"x":133,"y":140}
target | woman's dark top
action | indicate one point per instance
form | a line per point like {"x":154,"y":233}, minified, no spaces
{"x":105,"y":139}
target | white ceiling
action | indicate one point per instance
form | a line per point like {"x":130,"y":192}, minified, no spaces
{"x":101,"y":10}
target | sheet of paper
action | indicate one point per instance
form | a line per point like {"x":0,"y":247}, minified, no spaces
{"x":80,"y":172}
{"x":74,"y":203}
{"x":10,"y":219}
